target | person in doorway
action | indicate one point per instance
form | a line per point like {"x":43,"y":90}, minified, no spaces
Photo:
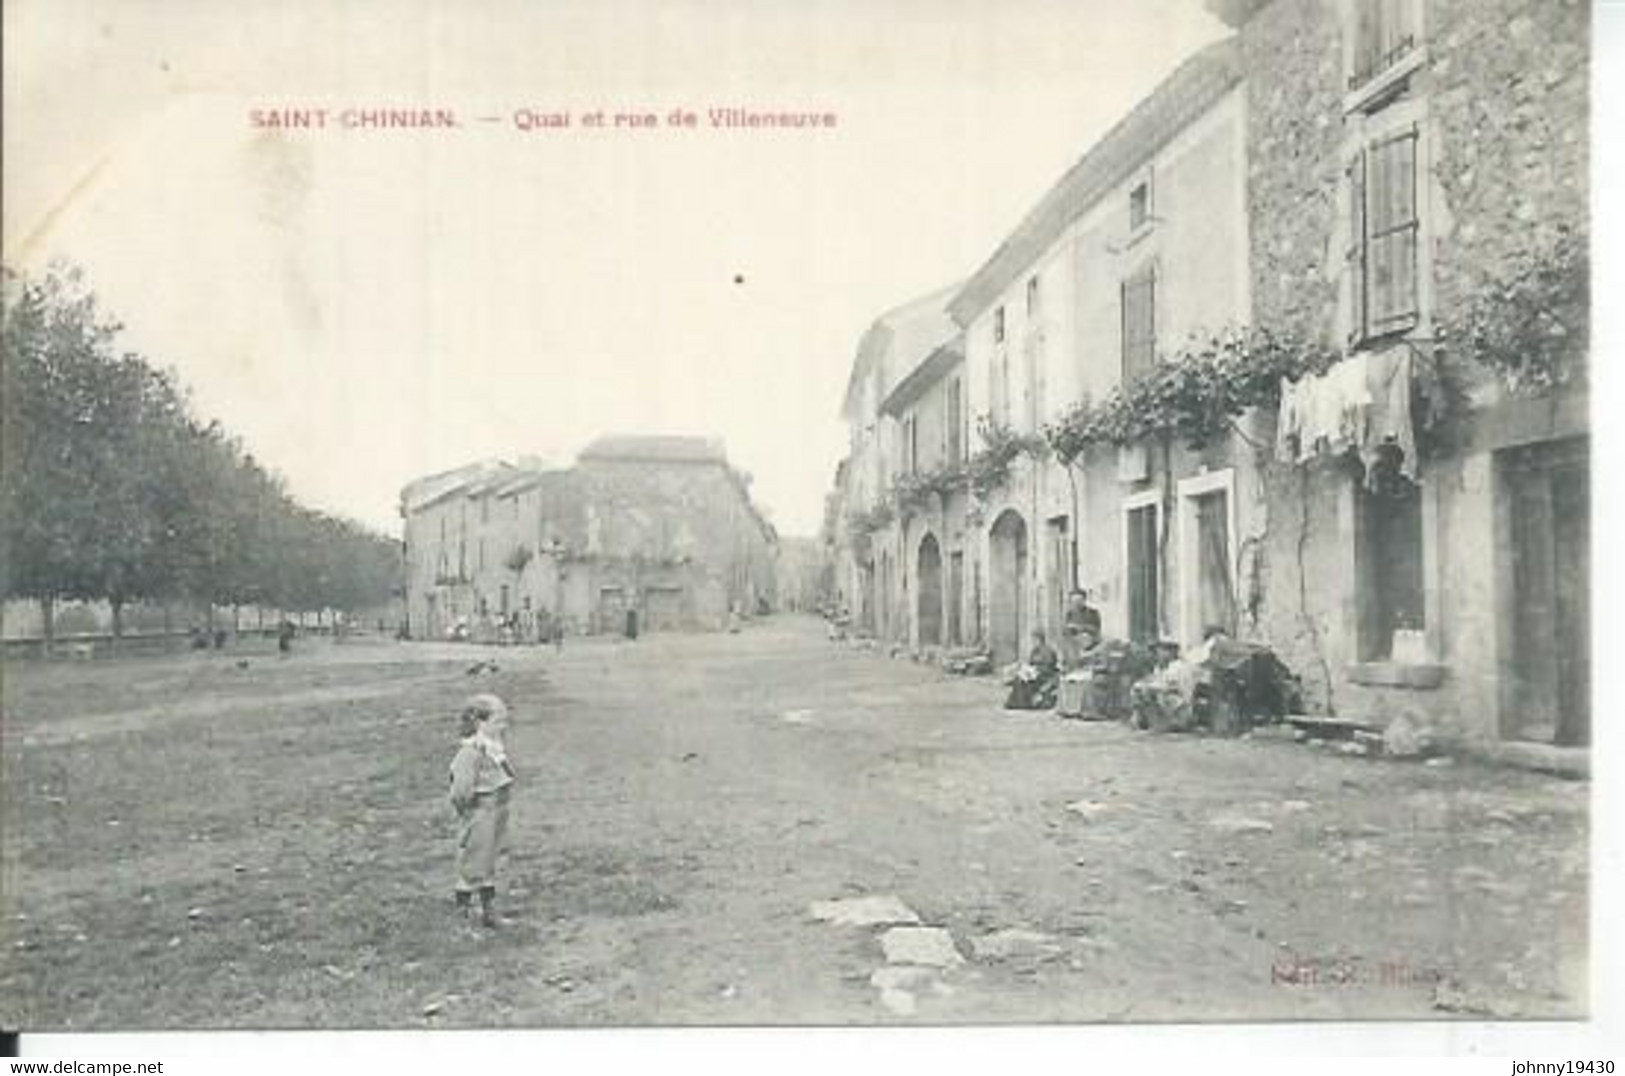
{"x":1034,"y":684}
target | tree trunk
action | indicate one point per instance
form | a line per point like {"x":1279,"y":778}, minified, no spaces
{"x":118,"y":620}
{"x":47,"y":606}
{"x":236,"y":618}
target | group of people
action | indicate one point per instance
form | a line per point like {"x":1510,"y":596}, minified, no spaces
{"x":1037,"y":682}
{"x":507,"y":629}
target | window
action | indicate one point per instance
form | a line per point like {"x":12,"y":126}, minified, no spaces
{"x":1385,"y":32}
{"x":1383,"y":238}
{"x":1000,"y":389}
{"x":1139,"y":323}
{"x":1034,"y":296}
{"x":911,"y":445}
{"x":1389,"y":560}
{"x":1139,"y":205}
{"x":998,"y":325}
{"x":956,"y":408}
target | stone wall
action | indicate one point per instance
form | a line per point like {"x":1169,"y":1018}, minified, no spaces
{"x":1294,"y":59}
{"x":1510,"y":105}
{"x":644,"y":519}
{"x":1505,"y":88}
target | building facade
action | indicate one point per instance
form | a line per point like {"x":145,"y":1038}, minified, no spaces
{"x":871,"y":548}
{"x":1391,"y":183}
{"x":1406,"y":159}
{"x":658,"y":529}
{"x":1140,"y":246}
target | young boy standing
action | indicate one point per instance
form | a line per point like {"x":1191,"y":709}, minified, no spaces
{"x":481,"y":779}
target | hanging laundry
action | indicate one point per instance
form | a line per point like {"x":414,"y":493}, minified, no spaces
{"x":1389,"y":422}
{"x":1362,"y":404}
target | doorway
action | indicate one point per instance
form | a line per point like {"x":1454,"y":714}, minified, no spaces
{"x":1206,"y":581}
{"x":929,"y":597}
{"x":1007,"y":592}
{"x":1144,"y":579}
{"x":1548,"y":487}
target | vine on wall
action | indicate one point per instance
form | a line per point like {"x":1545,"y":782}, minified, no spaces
{"x":1194,"y":395}
{"x":1529,"y":321}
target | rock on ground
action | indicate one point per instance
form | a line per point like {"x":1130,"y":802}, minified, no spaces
{"x":1236,"y":824}
{"x":902,"y":977}
{"x":1015,"y":944}
{"x":871,"y":911}
{"x":928,"y":946}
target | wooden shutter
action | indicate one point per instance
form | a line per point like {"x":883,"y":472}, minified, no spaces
{"x":1355,"y":258}
{"x":1139,"y":298}
{"x":1392,"y":230}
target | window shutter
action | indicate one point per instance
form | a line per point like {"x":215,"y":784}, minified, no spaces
{"x":1355,"y":257}
{"x":1393,"y":235}
{"x":1139,"y":298}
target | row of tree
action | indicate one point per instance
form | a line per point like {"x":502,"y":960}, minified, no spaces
{"x":112,"y":489}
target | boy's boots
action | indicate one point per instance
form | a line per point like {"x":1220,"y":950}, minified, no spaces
{"x":488,"y":896}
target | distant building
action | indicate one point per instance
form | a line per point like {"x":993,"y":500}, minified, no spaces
{"x":662,"y":528}
{"x":803,"y":575}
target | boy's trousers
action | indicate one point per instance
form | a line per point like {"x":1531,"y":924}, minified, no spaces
{"x":483,"y":834}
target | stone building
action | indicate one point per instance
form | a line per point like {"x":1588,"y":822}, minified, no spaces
{"x":1139,"y":246}
{"x":871,"y":543}
{"x":662,"y":528}
{"x":1391,"y":183}
{"x":1405,"y":159}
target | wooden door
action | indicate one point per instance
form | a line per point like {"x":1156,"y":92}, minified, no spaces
{"x":1144,"y":601}
{"x":1550,"y":510}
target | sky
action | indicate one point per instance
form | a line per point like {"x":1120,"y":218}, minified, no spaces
{"x":363,"y":307}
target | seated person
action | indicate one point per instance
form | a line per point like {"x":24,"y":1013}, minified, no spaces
{"x":1080,"y":629}
{"x":1035,"y":683}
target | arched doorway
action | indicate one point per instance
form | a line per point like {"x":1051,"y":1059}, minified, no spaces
{"x":1007,"y":583}
{"x":929,"y":576}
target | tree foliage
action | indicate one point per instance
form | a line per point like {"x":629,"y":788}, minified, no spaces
{"x":1194,"y":395}
{"x":112,"y":488}
{"x":1530,"y":319}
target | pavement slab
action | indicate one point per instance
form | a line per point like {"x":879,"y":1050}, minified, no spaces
{"x":931,"y":947}
{"x":870,"y":911}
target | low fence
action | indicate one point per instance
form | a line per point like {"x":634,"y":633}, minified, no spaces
{"x":106,"y":644}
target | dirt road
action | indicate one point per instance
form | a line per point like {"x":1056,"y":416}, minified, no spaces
{"x":190,"y":843}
